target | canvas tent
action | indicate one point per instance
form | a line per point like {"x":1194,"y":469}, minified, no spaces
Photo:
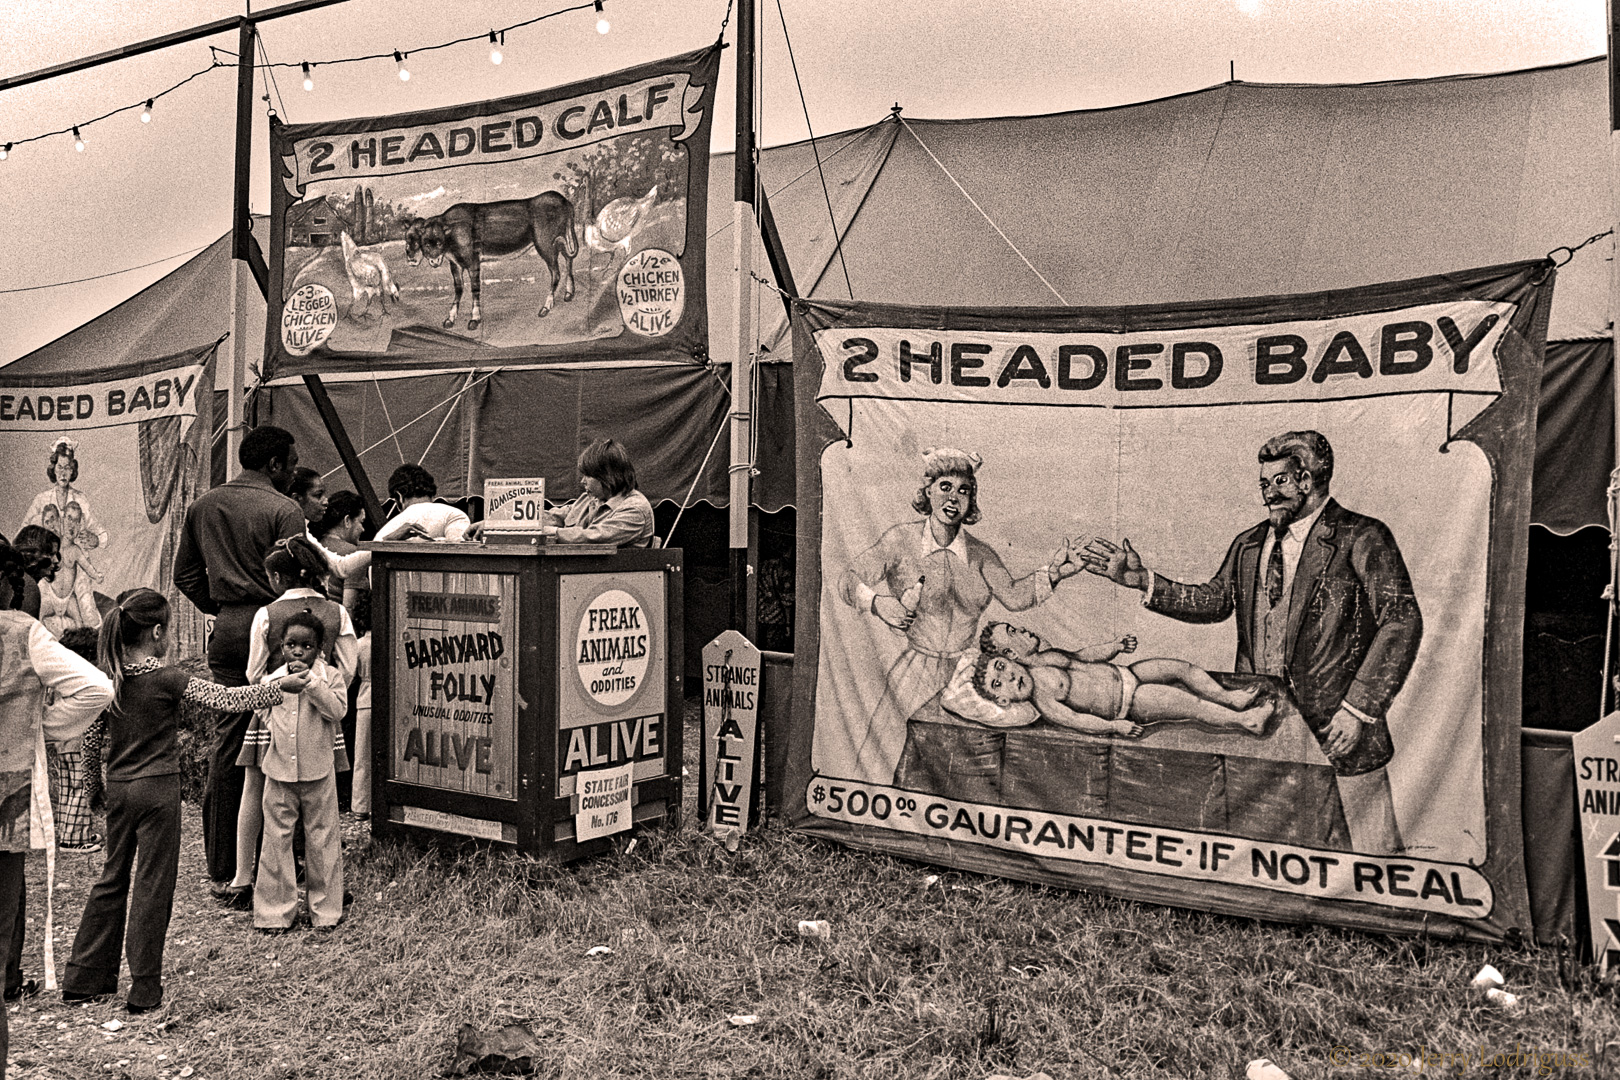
{"x":1252,"y":190}
{"x":144,"y":457}
{"x":1237,"y":190}
{"x":1240,"y":189}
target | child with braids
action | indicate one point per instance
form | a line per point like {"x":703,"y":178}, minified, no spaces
{"x":142,"y":754}
{"x":296,"y":568}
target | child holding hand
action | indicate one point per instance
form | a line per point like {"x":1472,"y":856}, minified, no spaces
{"x":294,"y":566}
{"x":142,"y":753}
{"x":300,"y":762}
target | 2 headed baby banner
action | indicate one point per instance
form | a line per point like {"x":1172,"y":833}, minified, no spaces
{"x":567,"y":223}
{"x":1206,"y":604}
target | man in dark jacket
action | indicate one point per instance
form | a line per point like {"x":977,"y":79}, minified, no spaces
{"x":1324,"y":602}
{"x":220,"y":568}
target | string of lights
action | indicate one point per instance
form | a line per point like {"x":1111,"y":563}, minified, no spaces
{"x":496,"y":38}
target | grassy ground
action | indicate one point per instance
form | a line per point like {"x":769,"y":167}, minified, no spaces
{"x":924,"y":976}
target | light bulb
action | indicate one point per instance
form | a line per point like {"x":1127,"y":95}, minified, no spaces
{"x":5,"y":151}
{"x":146,"y":113}
{"x":309,"y":80}
{"x":602,"y":24}
{"x":78,"y":140}
{"x":495,"y":56}
{"x":404,"y":75}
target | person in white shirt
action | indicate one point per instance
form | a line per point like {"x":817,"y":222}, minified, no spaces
{"x":296,"y":569}
{"x":420,"y":518}
{"x":81,"y":692}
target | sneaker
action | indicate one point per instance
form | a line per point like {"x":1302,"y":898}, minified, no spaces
{"x":89,"y":844}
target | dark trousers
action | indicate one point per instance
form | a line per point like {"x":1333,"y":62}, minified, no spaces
{"x":143,"y":816}
{"x":222,"y":798}
{"x":11,"y":930}
{"x":345,"y":779}
{"x":14,"y":976}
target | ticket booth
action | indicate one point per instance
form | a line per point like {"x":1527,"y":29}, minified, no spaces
{"x":524,"y":693}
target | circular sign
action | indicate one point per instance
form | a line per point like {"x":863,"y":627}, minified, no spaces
{"x":309,"y":317}
{"x":652,"y":292}
{"x":612,"y":647}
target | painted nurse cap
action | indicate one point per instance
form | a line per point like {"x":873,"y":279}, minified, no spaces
{"x":939,"y":460}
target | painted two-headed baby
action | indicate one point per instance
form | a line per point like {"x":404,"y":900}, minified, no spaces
{"x":1084,"y":690}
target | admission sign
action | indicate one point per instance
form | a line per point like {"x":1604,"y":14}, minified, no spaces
{"x":1210,"y":604}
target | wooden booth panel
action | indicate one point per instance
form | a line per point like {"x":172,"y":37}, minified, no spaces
{"x":612,"y":701}
{"x":453,"y":723}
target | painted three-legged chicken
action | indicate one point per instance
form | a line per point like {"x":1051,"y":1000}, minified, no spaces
{"x":368,"y":277}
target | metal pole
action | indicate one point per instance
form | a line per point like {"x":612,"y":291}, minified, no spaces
{"x":241,"y":239}
{"x":1608,"y":697}
{"x":345,"y":449}
{"x":742,"y":404}
{"x":179,"y":37}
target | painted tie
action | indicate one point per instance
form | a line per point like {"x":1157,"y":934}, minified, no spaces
{"x":1274,"y":568}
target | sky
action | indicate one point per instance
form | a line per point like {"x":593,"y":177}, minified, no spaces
{"x":153,"y":193}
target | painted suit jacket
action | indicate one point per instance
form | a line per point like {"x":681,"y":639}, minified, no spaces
{"x":1353,"y":622}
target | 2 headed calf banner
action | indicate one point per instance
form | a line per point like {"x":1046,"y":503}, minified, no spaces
{"x":1212,"y":605}
{"x":567,"y":223}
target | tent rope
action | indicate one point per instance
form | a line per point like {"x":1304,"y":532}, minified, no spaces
{"x":269,"y":79}
{"x":838,"y":241}
{"x":424,"y":415}
{"x":907,"y":125}
{"x":448,"y":413}
{"x":392,"y":430}
{"x":98,"y":277}
{"x":725,"y":425}
{"x":854,"y":137}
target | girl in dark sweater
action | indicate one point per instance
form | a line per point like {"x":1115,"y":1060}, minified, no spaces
{"x":142,"y":755}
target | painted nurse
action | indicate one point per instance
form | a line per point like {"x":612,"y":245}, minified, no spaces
{"x":63,"y":470}
{"x":932,"y":580}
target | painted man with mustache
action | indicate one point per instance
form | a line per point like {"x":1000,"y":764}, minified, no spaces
{"x":1324,"y":602}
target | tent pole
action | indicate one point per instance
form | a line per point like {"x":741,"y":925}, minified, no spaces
{"x":1607,"y":698}
{"x":241,"y":240}
{"x":345,"y":449}
{"x":471,"y":411}
{"x":742,"y":405}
